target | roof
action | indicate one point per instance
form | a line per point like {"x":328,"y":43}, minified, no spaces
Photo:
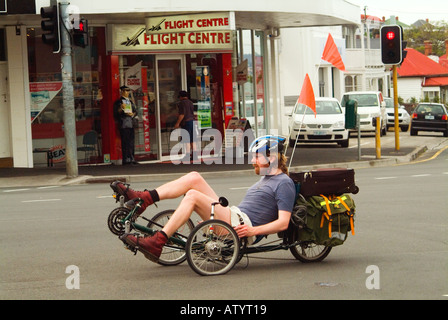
{"x":417,"y":64}
{"x":435,"y":82}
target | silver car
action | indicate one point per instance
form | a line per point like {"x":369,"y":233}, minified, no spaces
{"x":404,"y":119}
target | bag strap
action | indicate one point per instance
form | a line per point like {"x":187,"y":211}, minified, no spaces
{"x":327,"y":215}
{"x":349,"y":213}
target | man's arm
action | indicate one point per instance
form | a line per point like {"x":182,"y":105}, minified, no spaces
{"x":272,"y":227}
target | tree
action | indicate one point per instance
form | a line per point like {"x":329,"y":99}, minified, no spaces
{"x":436,"y":32}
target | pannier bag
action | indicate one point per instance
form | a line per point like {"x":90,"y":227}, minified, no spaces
{"x":324,"y":220}
{"x":325,"y":181}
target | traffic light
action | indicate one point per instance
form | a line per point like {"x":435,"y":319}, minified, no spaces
{"x":81,"y":33}
{"x":403,"y":52}
{"x":391,"y":49}
{"x":51,"y":24}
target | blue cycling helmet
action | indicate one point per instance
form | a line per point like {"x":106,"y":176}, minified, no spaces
{"x":267,"y":144}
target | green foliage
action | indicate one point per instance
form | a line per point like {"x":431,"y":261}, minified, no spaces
{"x":436,"y":32}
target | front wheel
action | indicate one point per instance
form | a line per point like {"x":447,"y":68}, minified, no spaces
{"x":310,"y":252}
{"x":212,"y":248}
{"x":172,"y":253}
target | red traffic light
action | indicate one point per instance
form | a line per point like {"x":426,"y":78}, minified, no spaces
{"x":81,"y":26}
{"x":390,"y":35}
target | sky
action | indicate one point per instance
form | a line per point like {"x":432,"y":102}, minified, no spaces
{"x":407,"y":11}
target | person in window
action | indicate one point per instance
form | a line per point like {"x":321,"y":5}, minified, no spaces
{"x":125,"y":112}
{"x":185,"y":121}
{"x":265,"y":209}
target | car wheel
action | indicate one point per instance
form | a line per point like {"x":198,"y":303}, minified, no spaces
{"x":445,"y":134}
{"x":292,"y":142}
{"x":404,"y":128}
{"x":344,"y":144}
{"x":413,"y":132}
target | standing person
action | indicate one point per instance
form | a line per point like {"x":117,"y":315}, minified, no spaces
{"x":186,"y":121}
{"x":125,"y":111}
{"x":266,"y":208}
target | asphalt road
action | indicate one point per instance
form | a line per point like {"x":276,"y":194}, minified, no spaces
{"x":50,"y":235}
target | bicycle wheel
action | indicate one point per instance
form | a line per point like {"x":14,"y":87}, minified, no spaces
{"x":212,"y":248}
{"x":172,"y":253}
{"x":310,"y":252}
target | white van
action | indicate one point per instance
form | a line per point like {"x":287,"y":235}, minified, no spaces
{"x":370,"y":105}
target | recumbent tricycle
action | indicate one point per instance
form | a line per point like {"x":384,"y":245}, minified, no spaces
{"x":213,"y":247}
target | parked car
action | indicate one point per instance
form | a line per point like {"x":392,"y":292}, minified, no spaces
{"x":370,"y":105}
{"x":404,"y":119}
{"x":429,"y":117}
{"x":327,"y":126}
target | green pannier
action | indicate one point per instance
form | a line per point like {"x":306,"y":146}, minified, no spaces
{"x":324,"y":220}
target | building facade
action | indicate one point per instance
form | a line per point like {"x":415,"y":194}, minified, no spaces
{"x":226,"y":55}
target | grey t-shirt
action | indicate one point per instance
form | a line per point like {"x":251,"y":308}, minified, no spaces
{"x":266,"y":197}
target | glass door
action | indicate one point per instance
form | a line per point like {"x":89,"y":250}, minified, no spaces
{"x":170,"y":80}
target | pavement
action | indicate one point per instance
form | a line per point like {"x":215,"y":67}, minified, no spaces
{"x":305,"y":157}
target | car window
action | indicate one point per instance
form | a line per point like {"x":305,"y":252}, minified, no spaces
{"x":428,"y":108}
{"x":322,"y":107}
{"x":389,"y":103}
{"x":364,"y":100}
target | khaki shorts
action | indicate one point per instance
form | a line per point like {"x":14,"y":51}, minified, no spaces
{"x":235,"y":215}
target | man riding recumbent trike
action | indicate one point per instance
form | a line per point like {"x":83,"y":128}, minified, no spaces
{"x":308,"y":223}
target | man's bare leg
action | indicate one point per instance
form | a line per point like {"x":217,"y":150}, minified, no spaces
{"x":179,"y":187}
{"x":198,"y":202}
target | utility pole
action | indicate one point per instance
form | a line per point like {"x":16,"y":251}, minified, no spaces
{"x":71,"y":150}
{"x":396,"y":127}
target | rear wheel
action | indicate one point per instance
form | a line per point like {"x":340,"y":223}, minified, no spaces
{"x":172,"y":253}
{"x":212,"y":248}
{"x":310,"y":252}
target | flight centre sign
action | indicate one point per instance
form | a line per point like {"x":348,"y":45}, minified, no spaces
{"x":198,"y":32}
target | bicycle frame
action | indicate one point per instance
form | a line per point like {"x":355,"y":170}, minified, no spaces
{"x":177,"y":238}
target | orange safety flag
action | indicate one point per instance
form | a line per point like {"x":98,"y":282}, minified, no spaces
{"x":332,"y":55}
{"x":307,"y":95}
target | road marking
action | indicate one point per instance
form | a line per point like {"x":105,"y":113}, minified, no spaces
{"x":385,"y":178}
{"x":48,"y":187}
{"x":101,"y":197}
{"x":41,"y":200}
{"x":420,"y":175}
{"x":15,"y":190}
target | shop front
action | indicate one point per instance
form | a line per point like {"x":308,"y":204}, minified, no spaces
{"x":167,"y":55}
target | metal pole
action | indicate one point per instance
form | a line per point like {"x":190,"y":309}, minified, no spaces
{"x":396,"y":127}
{"x":377,"y":137}
{"x":71,"y":155}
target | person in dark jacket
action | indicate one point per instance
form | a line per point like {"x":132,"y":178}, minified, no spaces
{"x":185,"y":120}
{"x":125,"y":111}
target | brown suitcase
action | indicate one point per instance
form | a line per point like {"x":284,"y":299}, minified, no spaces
{"x":325,"y":181}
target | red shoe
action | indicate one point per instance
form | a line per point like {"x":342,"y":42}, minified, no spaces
{"x":129,"y":194}
{"x":151,"y":246}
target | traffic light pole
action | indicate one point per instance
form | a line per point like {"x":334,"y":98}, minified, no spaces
{"x":396,"y":127}
{"x":68,"y":99}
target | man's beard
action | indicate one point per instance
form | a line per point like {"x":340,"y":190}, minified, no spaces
{"x":262,"y":170}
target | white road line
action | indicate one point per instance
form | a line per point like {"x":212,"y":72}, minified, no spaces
{"x":48,"y":187}
{"x":385,"y":178}
{"x":41,"y":200}
{"x":15,"y":190}
{"x":101,"y":197}
{"x":420,"y":175}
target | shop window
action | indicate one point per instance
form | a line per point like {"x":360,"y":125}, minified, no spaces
{"x":251,"y":92}
{"x":46,"y":93}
